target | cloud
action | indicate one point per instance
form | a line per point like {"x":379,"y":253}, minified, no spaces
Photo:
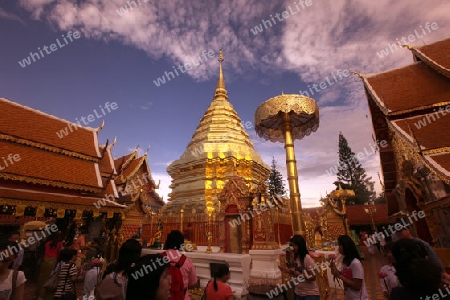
{"x":147,"y":106}
{"x":166,"y":180}
{"x":10,"y":16}
{"x":312,"y":43}
{"x":315,"y":42}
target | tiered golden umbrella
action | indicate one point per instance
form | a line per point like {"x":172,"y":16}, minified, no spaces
{"x":285,"y":118}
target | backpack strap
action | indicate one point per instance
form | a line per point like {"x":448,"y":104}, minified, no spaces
{"x":14,"y":283}
{"x":181,"y":262}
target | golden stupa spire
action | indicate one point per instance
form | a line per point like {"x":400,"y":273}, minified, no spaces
{"x":221,"y":91}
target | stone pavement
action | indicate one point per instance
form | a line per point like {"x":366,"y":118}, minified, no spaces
{"x":372,"y":265}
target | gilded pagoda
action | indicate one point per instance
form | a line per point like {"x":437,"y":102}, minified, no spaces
{"x":218,"y":177}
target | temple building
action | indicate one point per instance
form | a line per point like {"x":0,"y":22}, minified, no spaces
{"x":217,"y":179}
{"x":136,"y":189}
{"x":409,"y":107}
{"x":70,"y":180}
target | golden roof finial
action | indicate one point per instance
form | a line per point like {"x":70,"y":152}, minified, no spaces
{"x":101,"y":126}
{"x":356,"y":73}
{"x":221,"y":56}
{"x":113,"y":143}
{"x":405,"y":45}
{"x":221,"y":92}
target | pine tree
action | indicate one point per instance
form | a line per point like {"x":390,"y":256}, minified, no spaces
{"x":351,"y":174}
{"x":276,"y":185}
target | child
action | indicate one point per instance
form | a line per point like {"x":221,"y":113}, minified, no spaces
{"x":217,"y":289}
{"x":388,"y":279}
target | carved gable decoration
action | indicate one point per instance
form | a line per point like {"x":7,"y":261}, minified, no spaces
{"x":234,"y":192}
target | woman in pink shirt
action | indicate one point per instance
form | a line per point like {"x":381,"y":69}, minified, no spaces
{"x":52,"y":248}
{"x":217,"y":289}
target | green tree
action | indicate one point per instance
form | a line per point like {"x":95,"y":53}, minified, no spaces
{"x":275,"y":182}
{"x":351,"y":174}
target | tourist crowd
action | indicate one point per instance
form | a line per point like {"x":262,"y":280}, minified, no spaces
{"x":414,"y":271}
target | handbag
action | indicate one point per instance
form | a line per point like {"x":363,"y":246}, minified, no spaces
{"x":52,"y":283}
{"x":68,"y":296}
{"x":204,"y":292}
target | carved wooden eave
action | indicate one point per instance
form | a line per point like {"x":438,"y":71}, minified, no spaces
{"x":51,"y":183}
{"x":49,"y":148}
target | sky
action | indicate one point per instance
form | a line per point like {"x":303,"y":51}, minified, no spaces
{"x":99,"y":51}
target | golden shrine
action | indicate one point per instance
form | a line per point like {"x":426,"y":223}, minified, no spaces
{"x":218,"y":186}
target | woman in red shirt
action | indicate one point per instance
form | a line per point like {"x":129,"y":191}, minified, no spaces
{"x":218,"y":290}
{"x":52,"y":248}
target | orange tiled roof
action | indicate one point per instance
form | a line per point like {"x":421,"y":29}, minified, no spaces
{"x":357,"y":215}
{"x":106,"y":164}
{"x":133,"y":167}
{"x":26,"y":123}
{"x":433,"y":137}
{"x":435,"y":134}
{"x":42,"y":167}
{"x":436,"y":55}
{"x":123,"y":161}
{"x":410,"y":88}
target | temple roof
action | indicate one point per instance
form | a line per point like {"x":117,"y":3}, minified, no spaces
{"x":32,"y":127}
{"x":432,"y":135}
{"x":407,"y":89}
{"x":412,"y":102}
{"x":435,"y":55}
{"x":123,"y":161}
{"x":131,"y":169}
{"x":53,"y":170}
{"x":106,"y":163}
{"x":48,"y":168}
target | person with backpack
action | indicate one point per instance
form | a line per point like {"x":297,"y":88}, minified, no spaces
{"x":12,"y":282}
{"x":181,"y":270}
{"x":149,"y":279}
{"x":67,"y":276}
{"x":218,"y":290}
{"x":115,"y":278}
